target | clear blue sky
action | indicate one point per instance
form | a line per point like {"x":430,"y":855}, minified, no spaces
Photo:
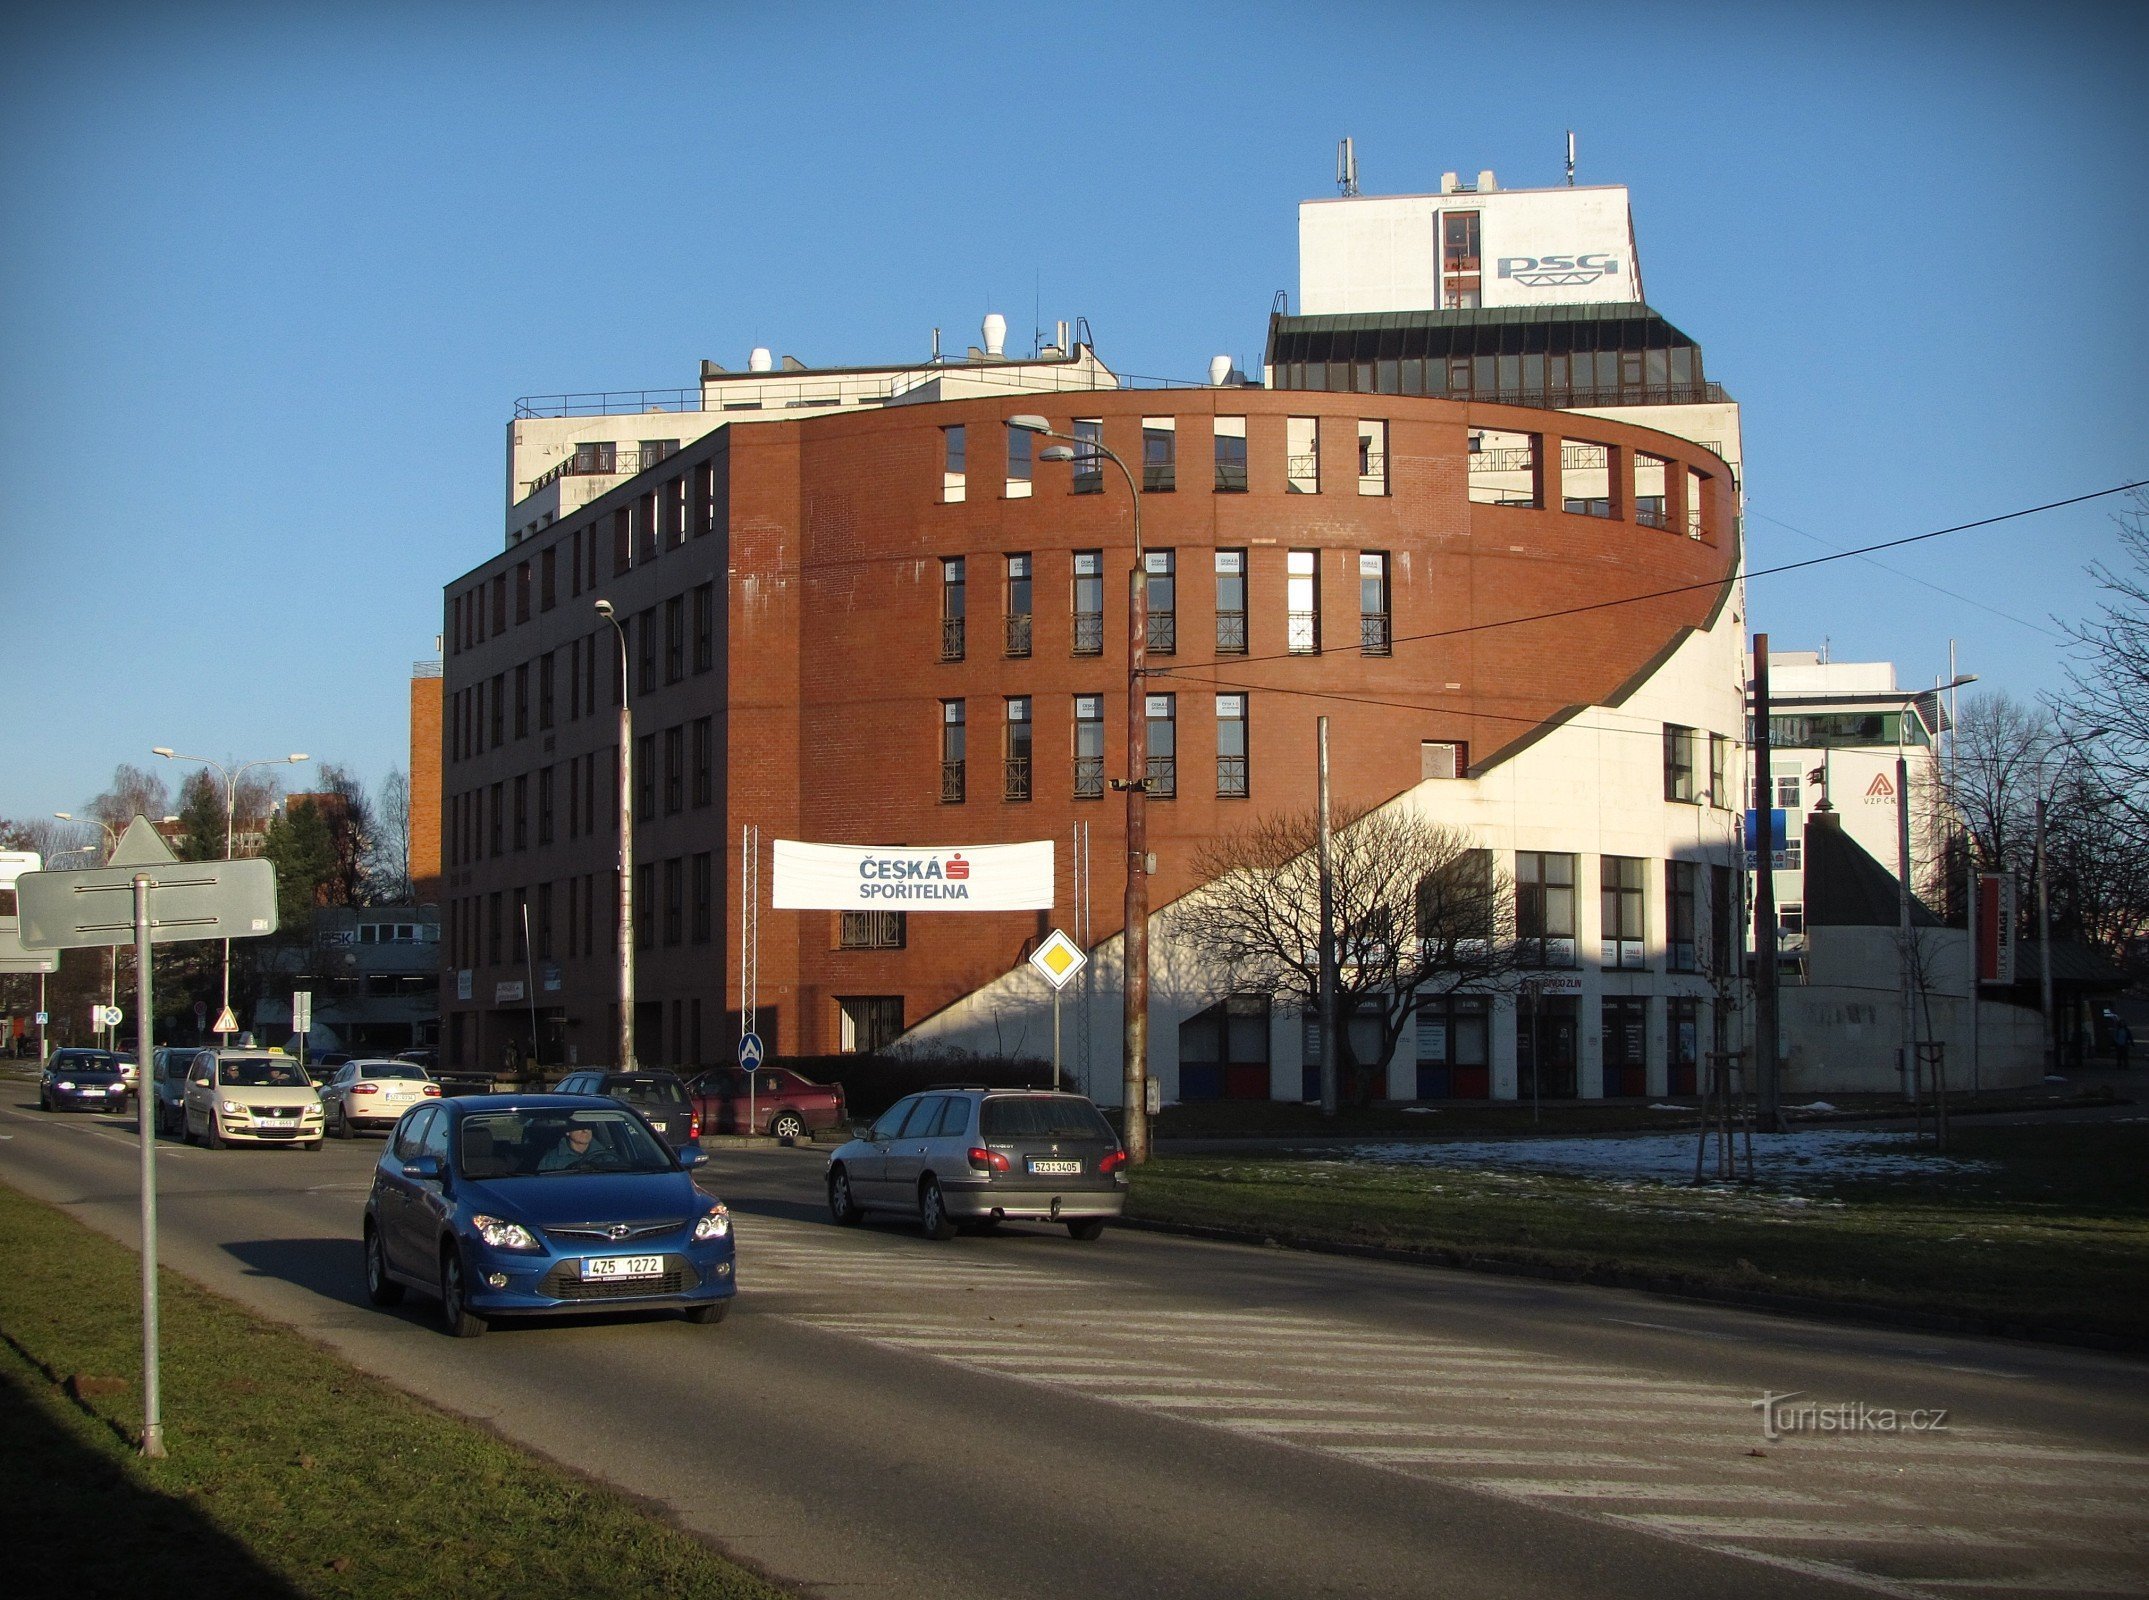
{"x":272,"y":276}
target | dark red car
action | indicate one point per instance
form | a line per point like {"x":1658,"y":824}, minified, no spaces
{"x":782,"y":1103}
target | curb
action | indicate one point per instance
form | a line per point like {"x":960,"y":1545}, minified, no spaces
{"x":1659,"y":1284}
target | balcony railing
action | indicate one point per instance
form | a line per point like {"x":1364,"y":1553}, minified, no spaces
{"x":952,"y":783}
{"x":601,"y":463}
{"x":1163,"y":633}
{"x":1231,"y":776}
{"x":951,"y":638}
{"x":1304,"y":633}
{"x":1089,"y":633}
{"x":1375,"y":636}
{"x":1302,"y":474}
{"x":1015,"y":783}
{"x":1231,"y":633}
{"x":1231,"y":477}
{"x":1018,"y":633}
{"x":1088,"y":777}
{"x":1159,"y":477}
{"x":1163,"y":776}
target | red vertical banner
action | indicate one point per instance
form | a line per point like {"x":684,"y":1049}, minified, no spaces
{"x":1996,"y":928}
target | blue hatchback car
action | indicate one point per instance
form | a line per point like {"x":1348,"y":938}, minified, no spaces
{"x":542,"y":1204}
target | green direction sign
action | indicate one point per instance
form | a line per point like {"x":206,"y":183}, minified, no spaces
{"x":187,"y":899}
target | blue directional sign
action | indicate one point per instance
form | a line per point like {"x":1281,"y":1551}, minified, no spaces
{"x":750,"y":1051}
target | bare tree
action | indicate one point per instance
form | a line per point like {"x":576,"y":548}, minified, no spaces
{"x":389,"y":867}
{"x":1419,"y":911}
{"x":2109,"y":676}
{"x":135,"y":792}
{"x":2001,"y":749}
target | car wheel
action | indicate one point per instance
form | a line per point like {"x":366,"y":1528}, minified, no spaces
{"x":186,"y":1127}
{"x":708,"y":1315}
{"x":1088,"y":1228}
{"x":342,"y":1130}
{"x":840,"y":1204}
{"x":933,"y":1216}
{"x":787,"y":1125}
{"x":455,"y":1313}
{"x":381,"y":1289}
{"x":209,"y":1135}
{"x":314,"y":1145}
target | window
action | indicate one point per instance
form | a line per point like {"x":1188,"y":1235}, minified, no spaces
{"x":1088,"y":602}
{"x":544,"y":805}
{"x":1302,"y":455}
{"x":1649,"y":503}
{"x":1586,"y":479}
{"x":1376,"y":635}
{"x":1230,"y":455}
{"x":1160,"y":591}
{"x":1462,"y":279}
{"x":1625,"y":1021}
{"x":705,"y":627}
{"x":645,"y":521}
{"x":622,"y":541}
{"x":1679,"y":763}
{"x":704,"y":897}
{"x":522,"y":591}
{"x":498,"y":802}
{"x":704,"y":762}
{"x":1160,"y":449}
{"x":548,"y":588}
{"x":522,"y":811}
{"x":522,"y":701}
{"x":1018,"y":462}
{"x":492,"y":928}
{"x":1455,"y":907}
{"x":1231,"y":602}
{"x":953,"y":603}
{"x":1016,"y":784}
{"x":1621,"y":893}
{"x":499,"y":709}
{"x":1161,"y":711}
{"x":1302,"y":601}
{"x":1452,"y":1048}
{"x":1725,"y":936}
{"x":1504,"y":468}
{"x":645,"y":776}
{"x":545,"y":686}
{"x":1681,"y":879}
{"x":952,"y":477}
{"x":1088,"y":746}
{"x":1439,"y":758}
{"x":1372,"y":457}
{"x":674,"y":900}
{"x":1088,"y":458}
{"x":655,"y":450}
{"x":645,"y":905}
{"x":1682,"y":1044}
{"x":544,"y":922}
{"x":645,"y":633}
{"x":1544,"y":908}
{"x":1790,"y":791}
{"x":952,"y":733}
{"x":499,"y":602}
{"x":674,"y":770}
{"x":1018,"y":604}
{"x":1231,"y":745}
{"x":869,"y":1021}
{"x":1719,"y":770}
{"x":675,"y":638}
{"x":1224,"y":1050}
{"x":871,"y":930}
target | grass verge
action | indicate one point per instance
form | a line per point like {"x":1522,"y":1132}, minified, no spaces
{"x":2050,"y":1236}
{"x":290,"y":1473}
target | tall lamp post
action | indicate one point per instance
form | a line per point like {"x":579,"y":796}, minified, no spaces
{"x":626,"y":848}
{"x":231,"y":808}
{"x":1135,"y":936}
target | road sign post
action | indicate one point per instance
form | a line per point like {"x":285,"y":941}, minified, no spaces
{"x":146,"y":889}
{"x":1059,"y":958}
{"x":750,"y":1058}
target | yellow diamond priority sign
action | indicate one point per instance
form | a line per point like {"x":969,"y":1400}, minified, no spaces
{"x":1059,"y":958}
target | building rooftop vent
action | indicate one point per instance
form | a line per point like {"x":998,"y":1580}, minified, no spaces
{"x":995,"y":330}
{"x":760,"y":360}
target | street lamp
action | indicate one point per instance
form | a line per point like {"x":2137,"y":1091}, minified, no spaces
{"x":231,"y":807}
{"x":1136,"y":784}
{"x":626,"y":848}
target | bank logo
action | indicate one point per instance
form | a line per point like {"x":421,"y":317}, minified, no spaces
{"x":1558,"y":271}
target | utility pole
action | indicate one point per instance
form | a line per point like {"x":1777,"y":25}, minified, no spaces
{"x":1768,"y":1110}
{"x":1327,"y":951}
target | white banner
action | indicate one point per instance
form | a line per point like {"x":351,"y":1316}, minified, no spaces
{"x":843,"y":877}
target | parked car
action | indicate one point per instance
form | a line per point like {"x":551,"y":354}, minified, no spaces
{"x":83,"y":1080}
{"x":781,"y":1102}
{"x":983,"y":1156}
{"x":538,"y":1205}
{"x":372,"y":1094}
{"x":250,"y":1097}
{"x":658,"y":1095}
{"x":168,"y":1081}
{"x":427,"y":1059}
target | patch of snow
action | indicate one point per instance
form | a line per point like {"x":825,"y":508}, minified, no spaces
{"x":1807,"y":1156}
{"x":1818,"y":1105}
{"x":2050,"y":1078}
{"x":1421,"y":1111}
{"x":1660,"y":1106}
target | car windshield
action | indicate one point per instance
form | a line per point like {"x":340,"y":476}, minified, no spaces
{"x":391,"y":1069}
{"x":263,"y":1075}
{"x":1042,"y":1116}
{"x":654,"y":1094}
{"x":86,"y":1061}
{"x":561,"y":1143}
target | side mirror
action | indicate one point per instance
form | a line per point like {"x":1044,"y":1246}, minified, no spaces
{"x":860,"y":1131}
{"x":693,"y":1156}
{"x":426,"y":1169}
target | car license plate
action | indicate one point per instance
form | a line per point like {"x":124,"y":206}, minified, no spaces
{"x":623,"y":1267}
{"x":1054,"y":1169}
{"x":87,"y":1092}
{"x":660,"y":1126}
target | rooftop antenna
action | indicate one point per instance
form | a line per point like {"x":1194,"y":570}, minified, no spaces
{"x":1570,"y":158}
{"x":1346,"y":169}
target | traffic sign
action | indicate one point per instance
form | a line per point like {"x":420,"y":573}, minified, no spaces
{"x":1059,"y":958}
{"x":187,"y":899}
{"x":750,"y":1051}
{"x":302,"y":1011}
{"x":225,"y":1022}
{"x":105,"y":1016}
{"x":14,"y":958}
{"x":41,"y":1019}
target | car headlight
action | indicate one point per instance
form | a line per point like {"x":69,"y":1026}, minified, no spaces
{"x":65,"y":1083}
{"x":232,"y":1108}
{"x":504,"y":1235}
{"x":714,"y":1223}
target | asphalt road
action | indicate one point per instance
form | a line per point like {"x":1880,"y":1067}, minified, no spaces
{"x":1020,"y":1414}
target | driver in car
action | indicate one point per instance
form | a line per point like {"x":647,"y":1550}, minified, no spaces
{"x":572,"y":1153}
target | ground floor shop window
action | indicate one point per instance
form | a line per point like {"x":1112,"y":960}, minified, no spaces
{"x":1224,"y":1051}
{"x":1454,"y":1062}
{"x":1548,"y":1030}
{"x":1682,"y":1044}
{"x":1626,"y":1045}
{"x":870,"y":1021}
